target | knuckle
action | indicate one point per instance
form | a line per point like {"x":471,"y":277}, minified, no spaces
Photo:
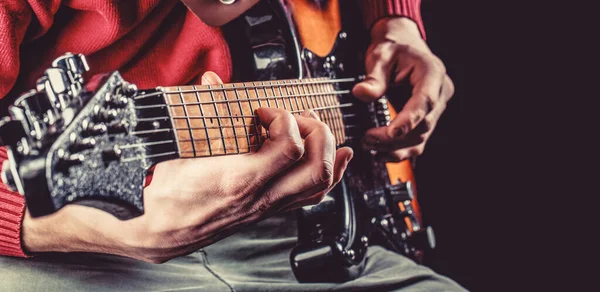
{"x":293,"y":150}
{"x":416,"y":117}
{"x":428,"y":124}
{"x":430,"y":102}
{"x":323,"y":176}
{"x":381,"y":52}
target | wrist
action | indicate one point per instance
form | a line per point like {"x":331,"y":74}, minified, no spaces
{"x":395,"y":28}
{"x":57,"y":232}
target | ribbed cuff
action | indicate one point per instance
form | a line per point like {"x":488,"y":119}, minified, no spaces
{"x":12,"y":209}
{"x":377,"y":9}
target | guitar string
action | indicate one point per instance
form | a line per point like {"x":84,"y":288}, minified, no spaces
{"x":159,"y":130}
{"x":154,"y":143}
{"x":339,"y":92}
{"x":254,"y":86}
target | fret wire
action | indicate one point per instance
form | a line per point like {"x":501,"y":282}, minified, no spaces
{"x":319,"y":100}
{"x":333,"y":100}
{"x":312,"y":101}
{"x":341,"y":118}
{"x":232,"y":122}
{"x":280,"y":87}
{"x":295,"y":91}
{"x":326,"y":98}
{"x":171,"y":113}
{"x":289,"y":99}
{"x":251,"y":109}
{"x":204,"y":121}
{"x":188,"y":120}
{"x":241,"y":112}
{"x":338,"y":115}
{"x":303,"y":100}
{"x":258,"y":129}
{"x":288,"y":87}
{"x":212,"y":97}
{"x":331,"y":120}
{"x":267,"y":95}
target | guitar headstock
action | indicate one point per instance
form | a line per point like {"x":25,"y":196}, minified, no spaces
{"x":70,"y":142}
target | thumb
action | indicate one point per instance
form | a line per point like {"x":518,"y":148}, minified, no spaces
{"x":378,"y":68}
{"x":211,"y":78}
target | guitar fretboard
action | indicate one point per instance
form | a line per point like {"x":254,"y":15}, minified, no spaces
{"x":219,"y":120}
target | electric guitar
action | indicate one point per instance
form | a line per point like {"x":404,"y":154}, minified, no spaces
{"x":92,"y":143}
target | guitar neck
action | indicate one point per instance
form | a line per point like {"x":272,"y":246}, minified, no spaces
{"x":211,"y":120}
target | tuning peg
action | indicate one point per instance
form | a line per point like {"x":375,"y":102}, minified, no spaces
{"x":129,"y":89}
{"x":111,"y":154}
{"x":116,"y":101}
{"x":92,"y":129}
{"x":79,"y":144}
{"x":67,"y":160}
{"x":102,"y":114}
{"x":119,"y":127}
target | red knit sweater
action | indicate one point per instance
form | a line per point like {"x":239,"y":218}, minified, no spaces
{"x":151,"y":42}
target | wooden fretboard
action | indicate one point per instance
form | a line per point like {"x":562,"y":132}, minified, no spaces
{"x":219,"y":120}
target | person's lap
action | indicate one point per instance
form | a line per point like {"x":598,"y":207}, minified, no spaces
{"x":255,"y":259}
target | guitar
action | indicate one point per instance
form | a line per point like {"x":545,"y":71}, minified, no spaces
{"x":92,"y":143}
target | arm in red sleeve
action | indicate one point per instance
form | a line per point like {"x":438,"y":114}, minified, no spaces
{"x":374,"y":10}
{"x":12,"y":208}
{"x":16,"y":23}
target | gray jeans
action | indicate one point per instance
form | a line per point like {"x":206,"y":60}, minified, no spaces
{"x":255,"y":259}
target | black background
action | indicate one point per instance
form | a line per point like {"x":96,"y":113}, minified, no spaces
{"x":506,"y":177}
{"x":470,"y":185}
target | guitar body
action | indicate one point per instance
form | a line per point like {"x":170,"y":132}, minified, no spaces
{"x":375,"y":204}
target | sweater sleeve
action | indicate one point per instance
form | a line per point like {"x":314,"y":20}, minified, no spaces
{"x":12,"y":208}
{"x":19,"y":20}
{"x":374,"y":10}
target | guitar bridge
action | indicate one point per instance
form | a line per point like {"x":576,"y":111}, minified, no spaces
{"x":395,"y":222}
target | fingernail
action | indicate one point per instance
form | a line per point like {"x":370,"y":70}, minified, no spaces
{"x":314,"y":115}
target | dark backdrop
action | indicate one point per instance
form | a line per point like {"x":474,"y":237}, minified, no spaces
{"x":458,"y":191}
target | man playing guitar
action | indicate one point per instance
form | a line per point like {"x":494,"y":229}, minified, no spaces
{"x":191,"y":204}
